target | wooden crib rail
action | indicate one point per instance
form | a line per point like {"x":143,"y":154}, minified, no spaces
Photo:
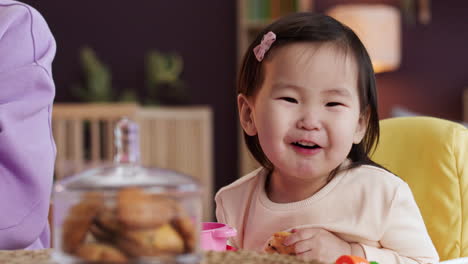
{"x":177,"y":138}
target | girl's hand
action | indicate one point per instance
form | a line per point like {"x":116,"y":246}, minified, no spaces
{"x":318,"y":244}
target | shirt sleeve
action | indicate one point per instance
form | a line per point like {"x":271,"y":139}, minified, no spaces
{"x":27,"y":149}
{"x":221,"y":218}
{"x":405,"y":238}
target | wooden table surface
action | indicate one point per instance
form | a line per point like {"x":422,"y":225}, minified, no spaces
{"x":226,"y":257}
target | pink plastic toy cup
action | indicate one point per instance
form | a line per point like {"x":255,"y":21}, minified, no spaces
{"x":214,"y":236}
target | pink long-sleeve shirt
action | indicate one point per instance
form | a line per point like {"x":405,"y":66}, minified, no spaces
{"x":365,"y":205}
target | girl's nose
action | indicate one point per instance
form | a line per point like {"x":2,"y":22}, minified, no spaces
{"x":309,"y":121}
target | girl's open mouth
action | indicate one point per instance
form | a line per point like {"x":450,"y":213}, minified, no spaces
{"x":306,"y":145}
{"x":306,"y":148}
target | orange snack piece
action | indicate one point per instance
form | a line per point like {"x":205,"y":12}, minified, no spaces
{"x":349,"y":259}
{"x":275,"y":244}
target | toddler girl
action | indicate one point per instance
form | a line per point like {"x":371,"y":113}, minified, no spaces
{"x":308,"y":105}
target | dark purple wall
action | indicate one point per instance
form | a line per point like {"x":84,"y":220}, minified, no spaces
{"x":121,"y":32}
{"x":434,"y":66}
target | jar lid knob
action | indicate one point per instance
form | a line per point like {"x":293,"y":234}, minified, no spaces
{"x":127,"y":142}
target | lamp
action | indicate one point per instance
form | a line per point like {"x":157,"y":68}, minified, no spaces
{"x":378,"y":27}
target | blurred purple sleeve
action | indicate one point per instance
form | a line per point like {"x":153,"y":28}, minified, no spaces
{"x":27,"y":149}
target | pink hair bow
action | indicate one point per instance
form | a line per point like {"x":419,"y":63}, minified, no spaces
{"x":261,"y":49}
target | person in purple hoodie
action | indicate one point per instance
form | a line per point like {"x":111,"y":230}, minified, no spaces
{"x":27,"y":148}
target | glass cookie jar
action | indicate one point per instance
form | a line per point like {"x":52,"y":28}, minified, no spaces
{"x":126,"y":213}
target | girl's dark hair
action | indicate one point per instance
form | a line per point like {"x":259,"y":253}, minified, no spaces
{"x":319,"y":28}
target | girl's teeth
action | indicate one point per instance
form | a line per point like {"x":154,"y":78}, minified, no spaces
{"x":307,"y":144}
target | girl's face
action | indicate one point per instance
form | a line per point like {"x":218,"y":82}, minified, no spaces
{"x":306,"y":113}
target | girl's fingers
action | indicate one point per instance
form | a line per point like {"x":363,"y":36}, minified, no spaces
{"x":302,"y":248}
{"x":300,"y":235}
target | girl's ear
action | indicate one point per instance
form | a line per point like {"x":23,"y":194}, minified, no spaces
{"x":246,"y":115}
{"x":361,"y":128}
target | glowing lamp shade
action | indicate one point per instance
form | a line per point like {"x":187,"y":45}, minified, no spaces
{"x":378,"y":27}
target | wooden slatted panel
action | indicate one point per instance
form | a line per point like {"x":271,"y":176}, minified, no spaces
{"x":172,"y":151}
{"x":179,"y":150}
{"x":180,"y":139}
{"x":73,"y":123}
{"x":96,"y":111}
{"x":77,"y":143}
{"x":144,"y":148}
{"x":174,"y":138}
{"x":95,"y":140}
{"x":159,"y":145}
{"x":206,"y":162}
{"x":109,"y":135}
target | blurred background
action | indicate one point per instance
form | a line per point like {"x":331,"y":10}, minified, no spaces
{"x":185,"y":54}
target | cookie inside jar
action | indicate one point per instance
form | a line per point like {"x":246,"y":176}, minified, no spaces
{"x":126,"y":213}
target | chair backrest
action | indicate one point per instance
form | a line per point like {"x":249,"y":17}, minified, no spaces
{"x":431,"y":155}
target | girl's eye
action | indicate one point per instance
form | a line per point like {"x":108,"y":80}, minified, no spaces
{"x":289,"y":99}
{"x":332,"y":104}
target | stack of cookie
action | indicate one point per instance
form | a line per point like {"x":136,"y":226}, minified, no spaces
{"x":139,"y":224}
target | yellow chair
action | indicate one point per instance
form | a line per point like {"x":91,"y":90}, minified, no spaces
{"x":431,"y":155}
